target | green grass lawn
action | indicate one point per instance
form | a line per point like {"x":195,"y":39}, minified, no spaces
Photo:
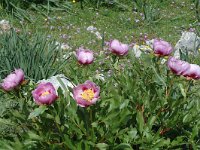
{"x":174,"y":17}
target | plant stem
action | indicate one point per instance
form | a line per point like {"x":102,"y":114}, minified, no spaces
{"x":91,"y":120}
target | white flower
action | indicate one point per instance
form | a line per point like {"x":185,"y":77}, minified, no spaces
{"x":66,"y":56}
{"x":136,"y":50}
{"x":146,"y":48}
{"x":4,"y":25}
{"x":65,"y":46}
{"x":163,"y":61}
{"x":100,"y":76}
{"x":98,"y":35}
{"x":150,"y":43}
{"x":91,"y":28}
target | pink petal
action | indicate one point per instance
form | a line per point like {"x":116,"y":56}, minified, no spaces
{"x":44,"y":99}
{"x":118,"y":48}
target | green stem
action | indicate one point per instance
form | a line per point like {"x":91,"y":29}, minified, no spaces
{"x":91,"y":121}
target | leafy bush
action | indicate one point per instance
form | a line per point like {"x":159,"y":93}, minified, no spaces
{"x":142,"y":106}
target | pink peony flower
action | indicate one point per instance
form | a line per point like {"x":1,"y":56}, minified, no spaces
{"x":13,"y":80}
{"x":177,"y":66}
{"x":162,"y":48}
{"x":86,"y":94}
{"x":118,"y":48}
{"x":45,"y":93}
{"x":193,"y":72}
{"x":84,"y":56}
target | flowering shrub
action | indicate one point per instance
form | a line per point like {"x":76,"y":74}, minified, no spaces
{"x":141,"y":105}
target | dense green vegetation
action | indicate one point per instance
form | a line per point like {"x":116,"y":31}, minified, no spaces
{"x":142,"y":104}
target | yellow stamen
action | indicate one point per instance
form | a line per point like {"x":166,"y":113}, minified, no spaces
{"x":88,"y":95}
{"x":45,"y":93}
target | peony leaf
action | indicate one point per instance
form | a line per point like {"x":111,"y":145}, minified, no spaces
{"x":140,"y":121}
{"x":37,"y":111}
{"x":102,"y":146}
{"x":123,"y":146}
{"x":182,"y":90}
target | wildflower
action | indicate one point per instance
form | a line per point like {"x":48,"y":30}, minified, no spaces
{"x":136,"y":50}
{"x":162,"y":48}
{"x":45,"y":93}
{"x":86,"y":94}
{"x":98,"y":35}
{"x":177,"y":66}
{"x":84,"y":56}
{"x":193,"y":72}
{"x":91,"y":29}
{"x":118,"y":48}
{"x":65,"y":46}
{"x":4,"y":25}
{"x":13,"y":80}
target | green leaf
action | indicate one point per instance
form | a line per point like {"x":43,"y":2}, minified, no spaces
{"x":182,"y":90}
{"x":102,"y":146}
{"x":34,"y":136}
{"x":160,"y":143}
{"x":151,"y":121}
{"x":158,"y":76}
{"x":37,"y":111}
{"x":187,"y":118}
{"x":7,"y":122}
{"x":68,"y":142}
{"x":57,"y":119}
{"x":140,"y":121}
{"x":133,"y":133}
{"x":123,"y":146}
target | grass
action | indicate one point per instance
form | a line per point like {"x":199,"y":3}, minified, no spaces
{"x":174,"y":17}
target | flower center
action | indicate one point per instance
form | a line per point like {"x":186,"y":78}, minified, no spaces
{"x":45,"y":93}
{"x":88,"y":94}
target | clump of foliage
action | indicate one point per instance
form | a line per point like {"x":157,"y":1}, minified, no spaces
{"x":18,"y":7}
{"x":142,"y":106}
{"x":33,"y":53}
